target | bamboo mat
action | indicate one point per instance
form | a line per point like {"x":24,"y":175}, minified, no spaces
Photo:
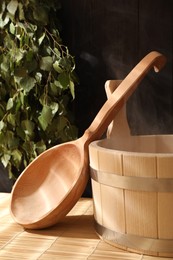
{"x":73,"y":238}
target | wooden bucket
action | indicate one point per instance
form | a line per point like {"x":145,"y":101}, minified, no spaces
{"x":132,"y":185}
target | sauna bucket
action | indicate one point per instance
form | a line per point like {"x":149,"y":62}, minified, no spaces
{"x":132,"y":185}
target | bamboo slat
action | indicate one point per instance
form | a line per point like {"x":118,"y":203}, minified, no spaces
{"x":73,"y":238}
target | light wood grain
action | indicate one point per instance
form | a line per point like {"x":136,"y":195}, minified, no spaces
{"x":73,"y":238}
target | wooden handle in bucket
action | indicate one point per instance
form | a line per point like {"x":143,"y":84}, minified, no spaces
{"x":119,"y":127}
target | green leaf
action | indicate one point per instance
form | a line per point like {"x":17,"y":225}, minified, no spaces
{"x":1,"y":125}
{"x":46,"y":63}
{"x":30,"y":149}
{"x":16,"y":157}
{"x":17,"y":55}
{"x":9,"y":104}
{"x":57,"y":52}
{"x":54,"y":107}
{"x":67,"y":63}
{"x":11,"y":118}
{"x":28,"y":127}
{"x":71,"y":86}
{"x":38,"y":77}
{"x":46,"y":117}
{"x":12,"y":7}
{"x":5,"y":159}
{"x":19,"y":31}
{"x":4,"y":22}
{"x":40,"y":40}
{"x":57,"y":67}
{"x":54,"y":89}
{"x":5,"y":65}
{"x":11,"y":140}
{"x":64,"y":80}
{"x":2,"y":7}
{"x":40,"y":147}
{"x":29,"y":55}
{"x":27,"y":83}
{"x":12,"y":28}
{"x":20,"y":133}
{"x":62,"y":123}
{"x":19,"y":103}
{"x":21,"y":12}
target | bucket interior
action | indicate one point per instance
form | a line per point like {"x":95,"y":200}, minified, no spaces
{"x":140,"y":144}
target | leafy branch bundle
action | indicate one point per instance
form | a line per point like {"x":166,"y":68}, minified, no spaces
{"x":37,"y":82}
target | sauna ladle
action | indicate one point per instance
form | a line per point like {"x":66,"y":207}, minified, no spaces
{"x":52,"y":183}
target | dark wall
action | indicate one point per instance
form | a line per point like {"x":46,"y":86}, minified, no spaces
{"x":108,"y":38}
{"x":5,"y":183}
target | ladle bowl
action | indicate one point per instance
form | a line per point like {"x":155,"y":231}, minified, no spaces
{"x":52,"y":184}
{"x":44,"y":185}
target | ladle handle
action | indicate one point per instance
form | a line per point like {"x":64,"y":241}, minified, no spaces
{"x":121,"y":94}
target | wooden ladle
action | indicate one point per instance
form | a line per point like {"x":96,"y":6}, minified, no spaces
{"x":52,"y":184}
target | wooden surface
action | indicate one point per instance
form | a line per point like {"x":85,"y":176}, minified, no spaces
{"x":73,"y":238}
